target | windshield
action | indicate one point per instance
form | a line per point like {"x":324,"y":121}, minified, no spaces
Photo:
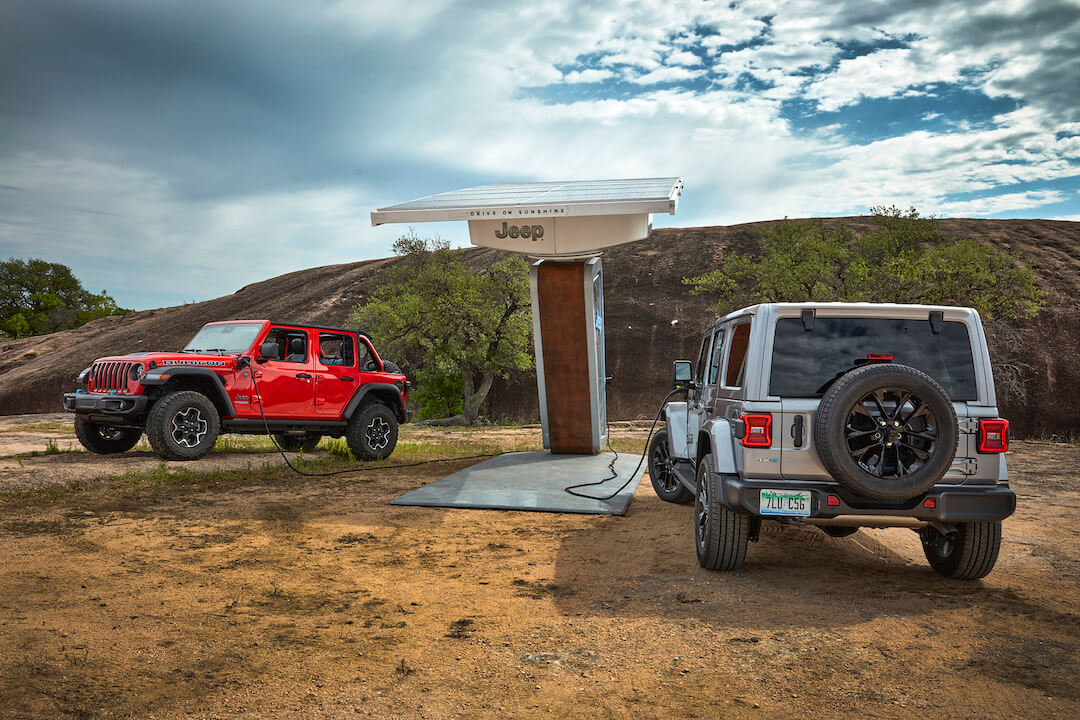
{"x":225,"y":338}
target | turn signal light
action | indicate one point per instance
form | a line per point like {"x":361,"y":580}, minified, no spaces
{"x":993,"y":436}
{"x":758,"y":430}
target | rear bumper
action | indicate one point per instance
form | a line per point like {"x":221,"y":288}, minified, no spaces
{"x":103,"y":405}
{"x":951,"y":503}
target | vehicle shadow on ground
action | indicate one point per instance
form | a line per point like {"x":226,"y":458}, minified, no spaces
{"x":644,"y":565}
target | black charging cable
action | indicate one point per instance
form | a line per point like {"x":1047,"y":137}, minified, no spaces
{"x":611,"y":466}
{"x":298,"y":471}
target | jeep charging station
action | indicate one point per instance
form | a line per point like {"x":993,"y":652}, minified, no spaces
{"x":565,"y":226}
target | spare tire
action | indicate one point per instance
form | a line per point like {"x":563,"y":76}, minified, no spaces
{"x":886,"y":432}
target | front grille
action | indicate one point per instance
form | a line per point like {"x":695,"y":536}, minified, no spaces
{"x":109,"y":376}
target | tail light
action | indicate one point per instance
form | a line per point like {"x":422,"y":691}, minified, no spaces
{"x":993,"y":436}
{"x":758,"y":433}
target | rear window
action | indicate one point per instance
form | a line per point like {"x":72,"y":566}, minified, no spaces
{"x":805,"y":363}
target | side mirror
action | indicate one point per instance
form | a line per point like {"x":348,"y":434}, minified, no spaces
{"x":269,"y":351}
{"x":683,"y":373}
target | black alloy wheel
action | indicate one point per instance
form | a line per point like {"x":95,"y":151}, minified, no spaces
{"x":665,"y":482}
{"x":891,"y":433}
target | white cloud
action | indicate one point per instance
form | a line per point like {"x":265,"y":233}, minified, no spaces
{"x":587,"y":76}
{"x":1001,"y":203}
{"x":683,"y":57}
{"x":666,"y":74}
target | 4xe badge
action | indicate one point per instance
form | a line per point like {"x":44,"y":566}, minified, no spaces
{"x":524,"y":231}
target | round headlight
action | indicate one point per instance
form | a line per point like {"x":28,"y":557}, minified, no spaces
{"x":83,"y":377}
{"x":136,"y":371}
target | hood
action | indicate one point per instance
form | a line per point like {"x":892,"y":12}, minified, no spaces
{"x":164,"y":359}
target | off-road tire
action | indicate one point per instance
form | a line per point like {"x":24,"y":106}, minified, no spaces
{"x":972,"y":555}
{"x":103,"y":439}
{"x":298,"y":443}
{"x":372,"y":432}
{"x":832,"y":417}
{"x":720,"y":534}
{"x":391,"y":367}
{"x":165,"y":425}
{"x":838,"y":531}
{"x":665,"y":483}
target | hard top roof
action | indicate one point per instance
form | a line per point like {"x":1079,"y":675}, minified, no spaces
{"x":863,"y":307}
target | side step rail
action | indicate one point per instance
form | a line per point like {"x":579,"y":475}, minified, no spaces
{"x":684,"y":470}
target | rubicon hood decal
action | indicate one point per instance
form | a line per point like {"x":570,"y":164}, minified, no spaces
{"x":213,"y":363}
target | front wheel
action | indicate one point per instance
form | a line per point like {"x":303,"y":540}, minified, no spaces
{"x":720,"y":533}
{"x":103,"y":439}
{"x":372,"y":432}
{"x":183,"y":426}
{"x":664,"y":480}
{"x":969,"y":554}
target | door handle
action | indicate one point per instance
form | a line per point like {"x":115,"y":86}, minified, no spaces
{"x":346,"y":378}
{"x":303,"y":376}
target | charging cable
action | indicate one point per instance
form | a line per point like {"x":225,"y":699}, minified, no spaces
{"x":346,"y":471}
{"x":611,"y":466}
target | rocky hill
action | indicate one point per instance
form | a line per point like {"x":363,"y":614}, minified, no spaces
{"x":651,"y":320}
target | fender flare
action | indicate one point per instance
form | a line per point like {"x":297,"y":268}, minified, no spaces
{"x":722,"y":442}
{"x":364,"y":390}
{"x":162,"y":375}
{"x":675,"y":415}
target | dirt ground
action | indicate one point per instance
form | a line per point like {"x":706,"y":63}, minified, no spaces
{"x":299,"y":598}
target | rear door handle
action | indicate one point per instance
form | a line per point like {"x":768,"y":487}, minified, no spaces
{"x":303,"y":376}
{"x":346,"y":378}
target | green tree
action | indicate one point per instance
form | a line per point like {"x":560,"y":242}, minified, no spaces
{"x":443,"y":318}
{"x":905,"y":258}
{"x":38,"y":297}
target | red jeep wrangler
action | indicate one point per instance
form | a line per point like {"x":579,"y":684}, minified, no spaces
{"x":244,"y":376}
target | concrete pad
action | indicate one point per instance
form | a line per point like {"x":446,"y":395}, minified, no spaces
{"x":533,"y":481}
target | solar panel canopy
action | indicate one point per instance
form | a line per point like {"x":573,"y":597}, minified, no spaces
{"x":547,"y":219}
{"x":570,"y":198}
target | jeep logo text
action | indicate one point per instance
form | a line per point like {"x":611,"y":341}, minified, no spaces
{"x":525,"y":231}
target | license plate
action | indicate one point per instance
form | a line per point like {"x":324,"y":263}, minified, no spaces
{"x":785,"y":502}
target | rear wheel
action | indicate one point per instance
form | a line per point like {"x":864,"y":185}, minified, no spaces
{"x":372,"y":432}
{"x":664,"y":480}
{"x":298,"y":443}
{"x":969,"y":554}
{"x":720,"y":533}
{"x":103,"y":439}
{"x":183,"y":426}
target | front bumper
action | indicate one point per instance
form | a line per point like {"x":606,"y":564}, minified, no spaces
{"x":106,"y":405}
{"x":951,"y":503}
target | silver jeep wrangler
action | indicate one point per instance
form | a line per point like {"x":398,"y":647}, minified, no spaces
{"x":840,"y":415}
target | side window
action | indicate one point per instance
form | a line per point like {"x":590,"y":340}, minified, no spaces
{"x":292,"y":344}
{"x":336,"y":349}
{"x":735,"y":373}
{"x":717,"y":355}
{"x":703,"y":359}
{"x":367,"y":357}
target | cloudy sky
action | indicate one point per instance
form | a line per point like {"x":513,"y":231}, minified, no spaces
{"x":172,"y":152}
